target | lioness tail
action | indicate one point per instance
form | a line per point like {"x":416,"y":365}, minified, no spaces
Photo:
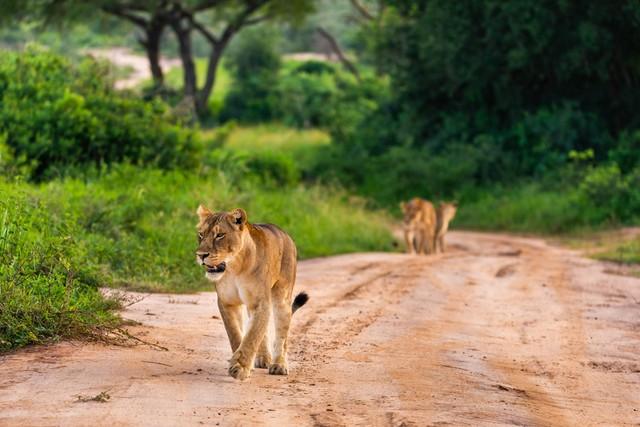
{"x":300,"y":300}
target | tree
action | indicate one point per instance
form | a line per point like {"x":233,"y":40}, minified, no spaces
{"x":218,"y":21}
{"x":229,"y":18}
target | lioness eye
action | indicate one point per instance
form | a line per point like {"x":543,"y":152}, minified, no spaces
{"x":200,"y":236}
{"x":219,"y":236}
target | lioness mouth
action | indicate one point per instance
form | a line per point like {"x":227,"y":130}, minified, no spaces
{"x":216,"y":268}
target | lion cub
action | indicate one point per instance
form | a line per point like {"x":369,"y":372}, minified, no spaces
{"x":419,"y":225}
{"x":445,"y":213}
{"x":252,"y":265}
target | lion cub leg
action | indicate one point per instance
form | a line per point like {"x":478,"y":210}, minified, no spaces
{"x":241,"y":362}
{"x":282,"y":312}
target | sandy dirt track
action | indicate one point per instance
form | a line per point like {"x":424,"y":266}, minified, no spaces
{"x":498,"y":331}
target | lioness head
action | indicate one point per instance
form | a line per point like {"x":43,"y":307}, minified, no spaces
{"x":220,"y":238}
{"x":410,"y":210}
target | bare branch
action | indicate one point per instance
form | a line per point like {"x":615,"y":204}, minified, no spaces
{"x":336,"y":48}
{"x":204,"y":31}
{"x":257,"y":19}
{"x":123,"y":13}
{"x":205,"y":4}
{"x":363,"y":10}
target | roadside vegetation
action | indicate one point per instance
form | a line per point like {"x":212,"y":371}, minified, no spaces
{"x":443,"y":100}
{"x":81,"y":211}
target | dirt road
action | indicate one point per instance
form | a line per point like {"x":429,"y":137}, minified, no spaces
{"x":499,"y":331}
{"x":138,"y":64}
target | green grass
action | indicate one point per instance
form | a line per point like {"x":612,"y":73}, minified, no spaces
{"x":301,"y":146}
{"x":530,"y":208}
{"x":624,"y":253}
{"x":48,"y":290}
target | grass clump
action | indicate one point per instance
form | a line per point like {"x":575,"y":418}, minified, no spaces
{"x":624,"y":253}
{"x":48,"y":290}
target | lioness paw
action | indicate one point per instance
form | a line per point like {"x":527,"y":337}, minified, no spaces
{"x":239,"y":372}
{"x":262,"y":361}
{"x":278,"y":369}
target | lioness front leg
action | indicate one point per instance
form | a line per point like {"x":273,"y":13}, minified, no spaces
{"x":409,"y":241}
{"x":282,"y":319}
{"x":232,"y":319}
{"x":241,"y":362}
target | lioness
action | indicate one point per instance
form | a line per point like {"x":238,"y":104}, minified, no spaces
{"x":419,"y":225}
{"x":445,"y":213}
{"x":254,"y":265}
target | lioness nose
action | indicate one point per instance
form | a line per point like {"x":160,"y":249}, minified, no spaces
{"x":203,"y":255}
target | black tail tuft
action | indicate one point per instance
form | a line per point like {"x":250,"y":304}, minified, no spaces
{"x":300,"y":300}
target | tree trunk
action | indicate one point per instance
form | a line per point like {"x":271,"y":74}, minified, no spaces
{"x":190,"y":80}
{"x":152,"y":46}
{"x":217,"y":50}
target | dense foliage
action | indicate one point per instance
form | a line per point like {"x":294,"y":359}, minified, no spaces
{"x":57,"y":118}
{"x":255,"y":63}
{"x":48,"y":283}
{"x":489,"y":94}
{"x":300,"y":94}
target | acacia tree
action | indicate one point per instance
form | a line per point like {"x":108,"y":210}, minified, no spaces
{"x":230,"y":19}
{"x":218,"y":21}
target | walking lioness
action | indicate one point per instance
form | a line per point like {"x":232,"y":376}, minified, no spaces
{"x":419,"y":225}
{"x":252,"y":265}
{"x":445,"y":213}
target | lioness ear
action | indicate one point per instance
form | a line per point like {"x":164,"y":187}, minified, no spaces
{"x":203,"y":213}
{"x":239,"y":216}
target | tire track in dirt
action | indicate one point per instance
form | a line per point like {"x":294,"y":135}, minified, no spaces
{"x":386,"y":340}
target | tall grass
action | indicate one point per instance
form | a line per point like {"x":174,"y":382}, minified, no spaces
{"x":532,"y":208}
{"x":297,"y":145}
{"x":623,"y":253}
{"x":47,"y":289}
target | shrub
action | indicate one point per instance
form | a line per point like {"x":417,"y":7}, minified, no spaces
{"x":255,"y":64}
{"x":59,"y":118}
{"x":48,"y":288}
{"x":307,"y":99}
{"x":615,"y":195}
{"x":275,"y":169}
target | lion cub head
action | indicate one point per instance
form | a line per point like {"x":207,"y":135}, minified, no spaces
{"x":220,"y":239}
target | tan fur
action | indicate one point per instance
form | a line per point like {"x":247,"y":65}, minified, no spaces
{"x":260,"y":273}
{"x":419,"y":225}
{"x":445,"y":213}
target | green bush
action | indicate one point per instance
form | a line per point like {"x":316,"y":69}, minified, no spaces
{"x":254,"y":62}
{"x":616,"y":195}
{"x":59,"y":118}
{"x":48,"y":283}
{"x":275,"y":169}
{"x":307,"y":99}
{"x":314,"y":96}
